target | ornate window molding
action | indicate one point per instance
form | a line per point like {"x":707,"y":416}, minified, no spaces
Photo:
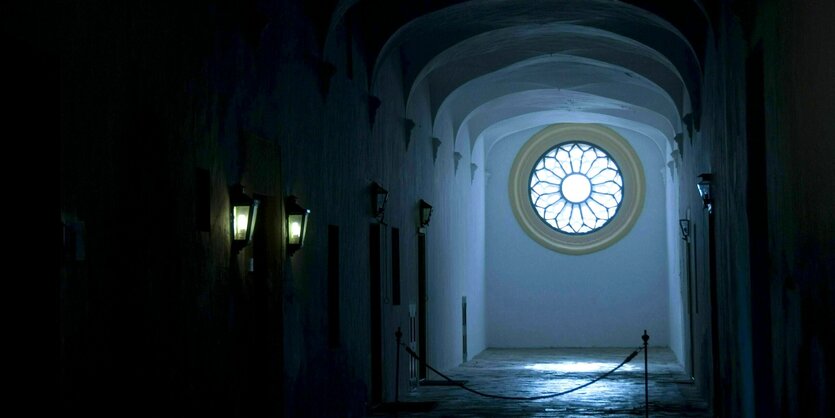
{"x":596,"y":143}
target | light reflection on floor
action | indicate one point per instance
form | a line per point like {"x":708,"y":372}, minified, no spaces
{"x":579,"y":367}
{"x":536,"y":372}
{"x":601,"y":388}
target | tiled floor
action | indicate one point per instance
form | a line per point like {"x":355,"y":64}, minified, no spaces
{"x":533,"y":372}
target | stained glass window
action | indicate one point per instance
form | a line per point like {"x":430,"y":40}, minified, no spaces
{"x":576,"y":188}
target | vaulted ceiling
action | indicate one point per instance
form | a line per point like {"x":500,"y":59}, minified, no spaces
{"x":494,"y":67}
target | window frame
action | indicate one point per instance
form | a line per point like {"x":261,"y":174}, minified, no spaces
{"x":605,"y":138}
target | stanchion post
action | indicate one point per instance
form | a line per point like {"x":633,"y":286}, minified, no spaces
{"x":645,"y":337}
{"x":398,"y":334}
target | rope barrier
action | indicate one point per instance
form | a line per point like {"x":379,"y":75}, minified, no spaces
{"x":523,"y":398}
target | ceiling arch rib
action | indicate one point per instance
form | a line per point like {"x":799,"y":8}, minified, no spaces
{"x":535,"y":121}
{"x":425,"y":37}
{"x":379,"y":20}
{"x":611,"y":85}
{"x":522,"y":110}
{"x":499,"y":50}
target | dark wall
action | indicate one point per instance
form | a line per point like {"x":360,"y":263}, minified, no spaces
{"x":157,"y":314}
{"x":798,"y":43}
{"x":767,"y":108}
{"x":163,"y":109}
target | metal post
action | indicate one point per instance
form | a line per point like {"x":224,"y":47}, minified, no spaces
{"x":645,"y":337}
{"x":397,"y":335}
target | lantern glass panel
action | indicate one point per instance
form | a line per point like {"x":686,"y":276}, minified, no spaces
{"x":241,"y":221}
{"x":294,"y":223}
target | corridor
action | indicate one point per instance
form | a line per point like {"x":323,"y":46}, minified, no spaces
{"x":256,"y":196}
{"x":536,"y":372}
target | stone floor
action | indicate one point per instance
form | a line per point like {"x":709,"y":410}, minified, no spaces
{"x":534,"y":372}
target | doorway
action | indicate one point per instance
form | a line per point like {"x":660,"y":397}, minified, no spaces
{"x":757,"y":205}
{"x":422,"y":301}
{"x":375,"y":296}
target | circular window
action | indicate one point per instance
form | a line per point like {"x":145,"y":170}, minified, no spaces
{"x":576,"y":188}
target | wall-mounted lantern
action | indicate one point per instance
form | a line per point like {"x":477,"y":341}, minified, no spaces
{"x":296,"y":224}
{"x":704,"y":190}
{"x":684,"y":225}
{"x":425,"y":215}
{"x":243,"y":216}
{"x":380,"y":196}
